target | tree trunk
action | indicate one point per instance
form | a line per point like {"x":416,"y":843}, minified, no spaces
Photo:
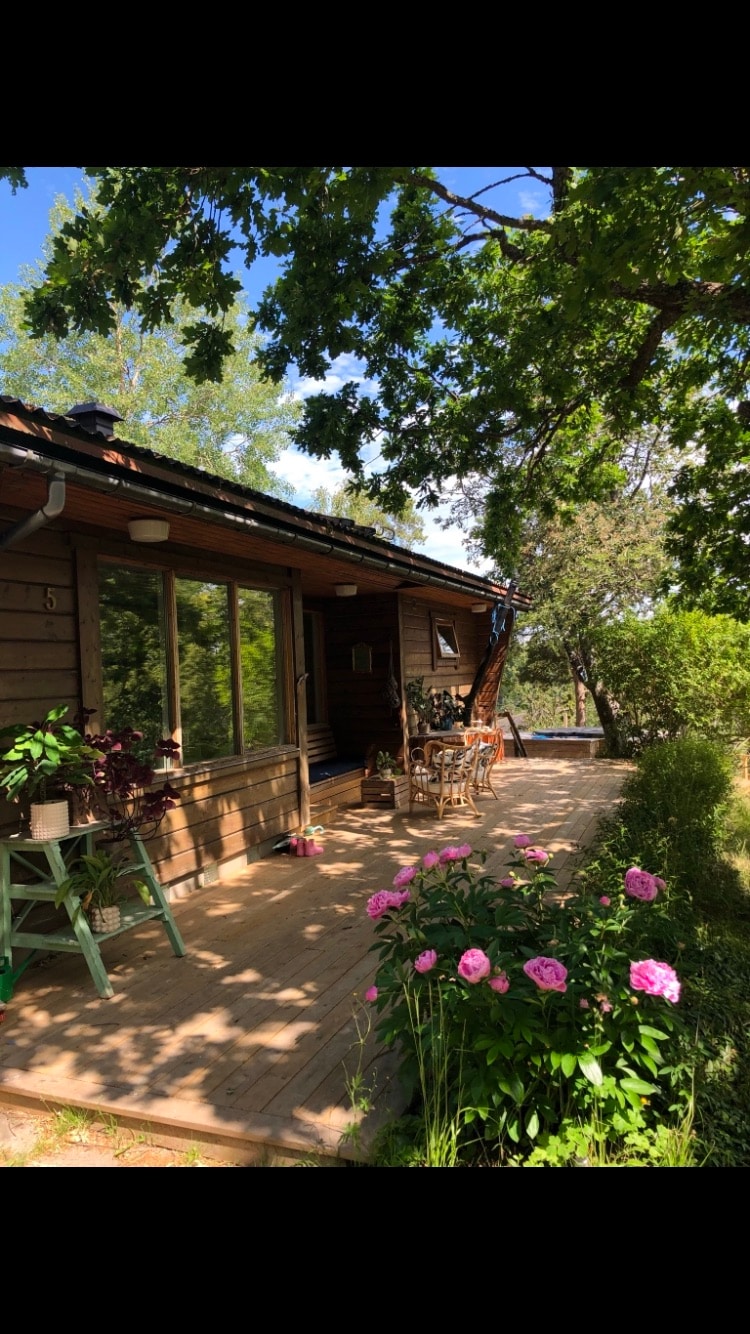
{"x":607,"y":710}
{"x":579,"y":691}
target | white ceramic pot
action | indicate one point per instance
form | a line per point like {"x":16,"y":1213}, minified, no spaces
{"x":105,"y":919}
{"x":50,"y":819}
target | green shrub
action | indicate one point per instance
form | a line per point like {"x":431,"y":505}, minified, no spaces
{"x":677,"y":672}
{"x":530,"y":1007}
{"x":674,"y":807}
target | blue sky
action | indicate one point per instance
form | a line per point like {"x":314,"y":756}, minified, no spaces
{"x":24,"y":223}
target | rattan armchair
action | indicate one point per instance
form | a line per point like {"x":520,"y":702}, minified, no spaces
{"x":443,"y":775}
{"x":491,"y":750}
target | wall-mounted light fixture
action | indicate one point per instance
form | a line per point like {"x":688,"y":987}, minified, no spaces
{"x":148,"y":530}
{"x":345,"y":590}
{"x":478,"y":607}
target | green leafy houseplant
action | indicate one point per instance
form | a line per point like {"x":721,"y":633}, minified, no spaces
{"x":94,"y":881}
{"x":385,"y":764}
{"x":47,"y":760}
{"x":417,"y":699}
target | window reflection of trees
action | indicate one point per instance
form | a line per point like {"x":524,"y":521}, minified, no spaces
{"x":133,"y":648}
{"x":205,"y":670}
{"x":259,"y":666}
{"x":135,"y":667}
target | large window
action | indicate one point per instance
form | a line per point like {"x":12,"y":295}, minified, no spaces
{"x":192,"y":658}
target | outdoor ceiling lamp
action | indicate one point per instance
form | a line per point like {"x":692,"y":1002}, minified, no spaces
{"x":345,"y":590}
{"x":478,"y":607}
{"x":148,"y":530}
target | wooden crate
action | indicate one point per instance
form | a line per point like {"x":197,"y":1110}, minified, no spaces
{"x":392,"y":793}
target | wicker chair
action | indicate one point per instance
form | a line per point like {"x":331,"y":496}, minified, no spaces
{"x":443,"y":775}
{"x":491,"y":750}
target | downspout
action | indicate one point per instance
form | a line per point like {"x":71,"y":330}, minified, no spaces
{"x":52,"y":509}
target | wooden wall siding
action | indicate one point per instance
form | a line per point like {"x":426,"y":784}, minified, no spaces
{"x":38,"y":638}
{"x":416,"y":628}
{"x":223,"y":815}
{"x":359,"y":717}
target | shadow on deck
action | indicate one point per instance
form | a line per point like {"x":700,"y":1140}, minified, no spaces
{"x":242,"y":1046}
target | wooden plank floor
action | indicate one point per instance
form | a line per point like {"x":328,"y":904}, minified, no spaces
{"x":244,"y":1043}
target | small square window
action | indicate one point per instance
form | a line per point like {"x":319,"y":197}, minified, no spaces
{"x":444,"y":642}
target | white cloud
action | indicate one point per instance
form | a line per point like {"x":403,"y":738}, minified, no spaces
{"x":533,"y":202}
{"x":343,"y":370}
{"x":305,"y":474}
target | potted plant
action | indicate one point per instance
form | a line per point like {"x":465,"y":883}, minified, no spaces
{"x":386,"y":765}
{"x":46,"y":761}
{"x":94,"y":881}
{"x":124,"y":780}
{"x":417,"y":704}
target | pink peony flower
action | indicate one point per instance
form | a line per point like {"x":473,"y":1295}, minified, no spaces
{"x":426,"y":961}
{"x":500,"y":983}
{"x":605,"y":1006}
{"x":385,"y":899}
{"x":429,"y":860}
{"x":371,"y":994}
{"x":522,"y":841}
{"x":508,"y":882}
{"x":641,"y":884}
{"x":583,"y":1004}
{"x":656,"y":979}
{"x":536,"y":855}
{"x":473,"y":966}
{"x":379,"y":904}
{"x":450,"y":854}
{"x":404,"y":876}
{"x":549,"y":974}
{"x":605,"y":902}
{"x":464,"y":850}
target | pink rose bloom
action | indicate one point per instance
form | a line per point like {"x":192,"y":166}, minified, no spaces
{"x":473,"y":966}
{"x":605,"y":902}
{"x":522,"y":841}
{"x":656,"y":979}
{"x":404,"y":876}
{"x":536,"y":855}
{"x":426,"y":961}
{"x":371,"y":994}
{"x":549,"y":974}
{"x":500,"y":983}
{"x":429,"y":860}
{"x":508,"y":882}
{"x":641,"y":884}
{"x":463,"y":850}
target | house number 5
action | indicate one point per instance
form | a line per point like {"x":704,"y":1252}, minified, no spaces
{"x":50,"y":601}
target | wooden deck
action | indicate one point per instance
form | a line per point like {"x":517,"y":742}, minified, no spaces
{"x":242,"y":1045}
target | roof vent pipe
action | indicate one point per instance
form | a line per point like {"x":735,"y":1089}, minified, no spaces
{"x":53,"y":507}
{"x":95,"y":417}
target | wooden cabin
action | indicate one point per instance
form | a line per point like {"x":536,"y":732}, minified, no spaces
{"x":265,"y":639}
